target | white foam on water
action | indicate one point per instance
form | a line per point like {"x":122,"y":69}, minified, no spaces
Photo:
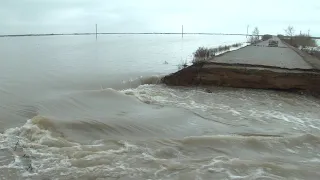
{"x":55,"y":156}
{"x":222,"y":106}
{"x":314,"y":127}
{"x":157,"y":94}
{"x":52,"y":155}
{"x":219,"y":164}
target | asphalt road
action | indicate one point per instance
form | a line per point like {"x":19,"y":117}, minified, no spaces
{"x":281,"y":56}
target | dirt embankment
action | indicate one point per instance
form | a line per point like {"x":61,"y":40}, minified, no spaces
{"x":246,"y":76}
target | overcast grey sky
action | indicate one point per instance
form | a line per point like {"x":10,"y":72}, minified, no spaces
{"x":229,"y":16}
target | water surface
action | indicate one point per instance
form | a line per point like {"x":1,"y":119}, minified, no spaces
{"x":76,"y":108}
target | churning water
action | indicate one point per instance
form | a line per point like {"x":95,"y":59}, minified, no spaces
{"x":72,"y":107}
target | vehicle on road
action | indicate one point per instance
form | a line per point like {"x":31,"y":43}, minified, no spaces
{"x":273,"y":43}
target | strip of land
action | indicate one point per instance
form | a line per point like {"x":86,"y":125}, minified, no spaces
{"x":255,"y":66}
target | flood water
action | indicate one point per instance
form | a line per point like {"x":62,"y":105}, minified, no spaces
{"x":73,"y":107}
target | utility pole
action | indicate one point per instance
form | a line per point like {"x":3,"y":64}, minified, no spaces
{"x":96,"y":31}
{"x":308,"y":32}
{"x":247,"y":31}
{"x":182,"y":31}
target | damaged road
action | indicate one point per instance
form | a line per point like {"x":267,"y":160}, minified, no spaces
{"x":240,"y":69}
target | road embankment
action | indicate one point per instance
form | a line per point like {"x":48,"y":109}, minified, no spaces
{"x":246,"y":76}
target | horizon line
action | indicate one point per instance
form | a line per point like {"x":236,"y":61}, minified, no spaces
{"x":101,"y":33}
{"x":148,"y":33}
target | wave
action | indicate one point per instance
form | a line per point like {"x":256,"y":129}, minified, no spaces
{"x":93,"y":128}
{"x":124,"y":138}
{"x":134,"y":83}
{"x":52,"y":155}
{"x":35,"y":127}
{"x":258,"y":143}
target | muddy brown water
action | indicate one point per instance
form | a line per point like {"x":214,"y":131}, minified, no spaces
{"x":76,"y":108}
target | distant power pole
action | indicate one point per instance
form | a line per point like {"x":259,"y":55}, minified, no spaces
{"x":247,"y":31}
{"x":182,"y":31}
{"x":308,"y":32}
{"x":96,"y":31}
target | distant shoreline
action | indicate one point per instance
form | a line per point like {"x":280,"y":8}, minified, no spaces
{"x":138,"y":33}
{"x":71,"y":34}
